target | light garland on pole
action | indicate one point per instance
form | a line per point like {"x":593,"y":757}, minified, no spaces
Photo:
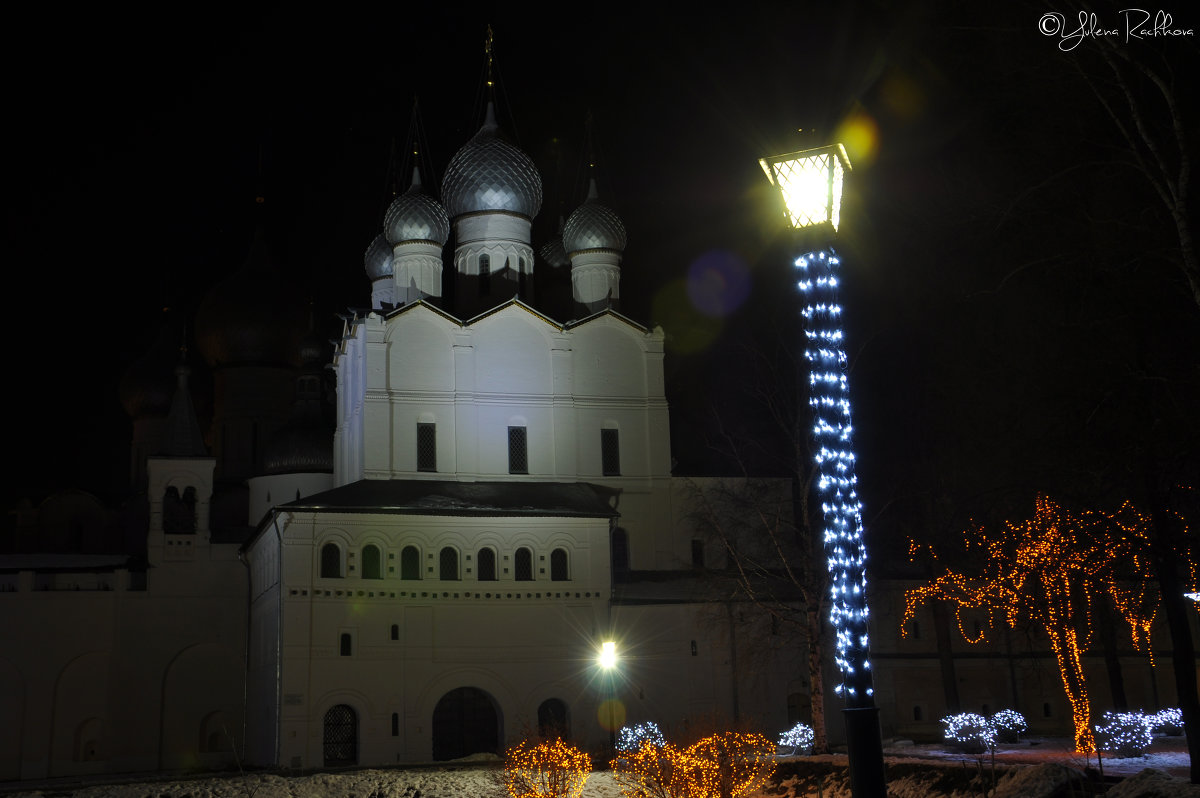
{"x":829,"y":398}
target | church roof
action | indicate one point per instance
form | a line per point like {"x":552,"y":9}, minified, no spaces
{"x":452,"y":497}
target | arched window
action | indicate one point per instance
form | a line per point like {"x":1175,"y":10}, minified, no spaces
{"x":371,"y":567}
{"x":558,"y":565}
{"x":395,"y":631}
{"x":485,"y":568}
{"x":331,"y":561}
{"x":212,"y":733}
{"x":448,"y":563}
{"x":410,"y":563}
{"x":917,"y":713}
{"x":523,"y":565}
{"x":346,"y":645}
{"x":395,"y":724}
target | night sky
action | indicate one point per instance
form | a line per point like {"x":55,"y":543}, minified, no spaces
{"x":1017,"y":316}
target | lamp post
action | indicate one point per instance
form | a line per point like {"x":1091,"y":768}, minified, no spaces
{"x":607,"y":660}
{"x":810,"y":183}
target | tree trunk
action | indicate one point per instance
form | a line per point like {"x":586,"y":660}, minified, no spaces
{"x":1112,"y":664}
{"x":941,"y":630}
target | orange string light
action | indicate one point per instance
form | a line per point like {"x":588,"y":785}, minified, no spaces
{"x":1047,"y":570}
{"x":552,"y":769}
{"x":723,"y":765}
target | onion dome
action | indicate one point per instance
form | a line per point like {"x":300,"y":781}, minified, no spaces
{"x":148,"y":385}
{"x":554,"y":254}
{"x":377,"y":260}
{"x":593,"y":226}
{"x":489,"y":174}
{"x":416,"y":216}
{"x":252,"y":317}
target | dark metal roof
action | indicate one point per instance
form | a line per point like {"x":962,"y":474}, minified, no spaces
{"x":448,"y":497}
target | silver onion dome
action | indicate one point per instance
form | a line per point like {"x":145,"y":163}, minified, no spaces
{"x":554,"y":254}
{"x":416,"y":216}
{"x":489,"y":174}
{"x":593,"y":226}
{"x":377,"y":260}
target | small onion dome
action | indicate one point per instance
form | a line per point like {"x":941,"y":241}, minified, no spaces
{"x":251,"y":317}
{"x":593,"y":226}
{"x":148,"y":384}
{"x":301,"y":446}
{"x":416,"y":216}
{"x":554,"y":254}
{"x":489,"y":174}
{"x":378,"y":258}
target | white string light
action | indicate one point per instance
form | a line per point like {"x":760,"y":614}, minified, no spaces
{"x":829,"y":398}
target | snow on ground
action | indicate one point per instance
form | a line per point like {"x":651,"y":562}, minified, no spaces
{"x":1036,"y":769}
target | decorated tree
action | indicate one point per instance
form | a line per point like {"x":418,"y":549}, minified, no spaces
{"x":553,"y":769}
{"x":1050,"y":570}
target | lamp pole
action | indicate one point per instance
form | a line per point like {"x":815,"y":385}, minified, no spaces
{"x":608,"y":665}
{"x":810,"y":183}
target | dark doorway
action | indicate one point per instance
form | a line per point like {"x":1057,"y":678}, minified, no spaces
{"x":465,"y":722}
{"x":552,"y":720}
{"x":341,"y":736}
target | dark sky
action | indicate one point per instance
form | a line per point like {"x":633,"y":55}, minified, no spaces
{"x":142,"y":135}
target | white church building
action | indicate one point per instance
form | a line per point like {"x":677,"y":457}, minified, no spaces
{"x":431,"y":577}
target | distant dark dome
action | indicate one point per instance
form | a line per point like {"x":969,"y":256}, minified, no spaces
{"x":377,"y":260}
{"x":593,"y":226}
{"x":252,"y":317}
{"x":416,"y":216}
{"x":300,"y":446}
{"x":489,"y":174}
{"x":554,"y":254}
{"x":148,"y":384}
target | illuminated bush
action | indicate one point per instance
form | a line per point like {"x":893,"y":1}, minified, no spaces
{"x":723,"y":765}
{"x":1125,"y":733}
{"x":547,"y":770}
{"x":972,"y":732}
{"x":1168,"y":721}
{"x":799,"y":737}
{"x":1008,"y":725}
{"x":631,"y":738}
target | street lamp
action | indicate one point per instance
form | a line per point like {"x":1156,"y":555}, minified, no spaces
{"x":810,"y":183}
{"x":607,"y":659}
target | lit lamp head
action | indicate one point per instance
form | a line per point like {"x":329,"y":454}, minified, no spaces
{"x":811,"y":184}
{"x":608,"y":655}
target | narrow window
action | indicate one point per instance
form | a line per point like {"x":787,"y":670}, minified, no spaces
{"x":610,"y":452}
{"x":395,"y":631}
{"x":524,"y":565}
{"x":558,"y":565}
{"x":1046,"y":710}
{"x":486,"y":567}
{"x":331,"y":561}
{"x":371,"y":568}
{"x":916,"y":630}
{"x":448,"y":563}
{"x":485,"y":275}
{"x":410,"y":563}
{"x":395,"y":724}
{"x":697,"y":553}
{"x":518,"y":453}
{"x":345,"y":644}
{"x":620,"y":551}
{"x":917,"y":714}
{"x":426,"y":447}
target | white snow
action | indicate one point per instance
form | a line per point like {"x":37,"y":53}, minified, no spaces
{"x":1043,"y":765}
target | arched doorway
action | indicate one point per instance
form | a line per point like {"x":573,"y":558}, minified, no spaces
{"x":465,"y":721}
{"x":341,"y":736}
{"x":552,"y":720}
